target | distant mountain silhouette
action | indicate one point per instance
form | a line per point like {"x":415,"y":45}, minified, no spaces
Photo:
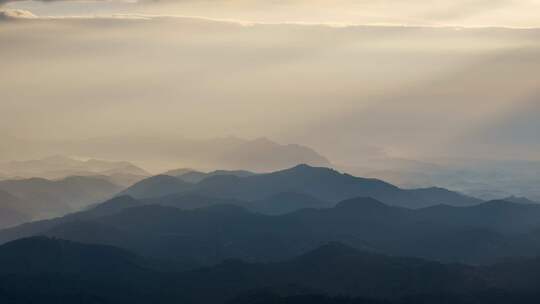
{"x":193,"y":176}
{"x":264,"y":155}
{"x":47,"y":198}
{"x":58,"y":167}
{"x":229,"y":153}
{"x":180,"y":172}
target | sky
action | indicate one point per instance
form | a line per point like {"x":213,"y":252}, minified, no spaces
{"x":352,"y":79}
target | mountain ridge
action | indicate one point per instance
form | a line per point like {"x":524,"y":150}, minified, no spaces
{"x":322,"y":183}
{"x":444,"y":233}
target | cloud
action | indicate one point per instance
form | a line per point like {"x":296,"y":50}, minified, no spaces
{"x":467,"y":13}
{"x":7,"y":1}
{"x":12,"y":14}
{"x":404,"y":89}
{"x":244,"y":23}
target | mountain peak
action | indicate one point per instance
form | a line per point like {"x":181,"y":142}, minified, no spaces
{"x":180,"y":171}
{"x":308,"y":168}
{"x":302,"y":167}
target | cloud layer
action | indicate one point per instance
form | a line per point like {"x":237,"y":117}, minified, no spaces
{"x":346,"y":91}
{"x":10,"y":14}
{"x":469,"y":13}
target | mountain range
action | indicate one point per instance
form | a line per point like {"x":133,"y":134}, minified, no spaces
{"x":220,"y":229}
{"x":231,"y":153}
{"x":321,"y":183}
{"x":277,"y":192}
{"x":37,"y":198}
{"x":85,"y":273}
{"x":299,"y":235}
{"x":482,"y":178}
{"x":59,"y":167}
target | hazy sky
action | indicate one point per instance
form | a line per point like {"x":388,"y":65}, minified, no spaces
{"x":348,"y":78}
{"x":508,"y":13}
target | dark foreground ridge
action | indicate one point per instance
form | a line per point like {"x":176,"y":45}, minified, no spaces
{"x":70,"y":272}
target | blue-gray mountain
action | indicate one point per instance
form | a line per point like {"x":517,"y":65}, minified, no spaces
{"x":323,"y":184}
{"x":11,"y":212}
{"x":477,"y":234}
{"x":37,"y":198}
